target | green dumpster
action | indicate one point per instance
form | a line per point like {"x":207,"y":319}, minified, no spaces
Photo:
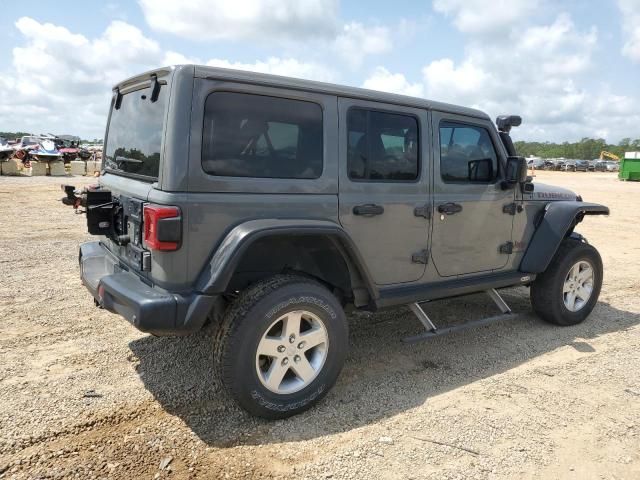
{"x":630,"y":167}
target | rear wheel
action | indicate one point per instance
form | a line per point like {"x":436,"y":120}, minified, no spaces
{"x":567,"y":291}
{"x":281,"y":346}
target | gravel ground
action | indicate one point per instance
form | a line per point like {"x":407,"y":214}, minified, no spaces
{"x":85,"y":395}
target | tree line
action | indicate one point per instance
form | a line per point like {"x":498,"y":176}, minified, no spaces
{"x":585,"y":149}
{"x":13,"y":135}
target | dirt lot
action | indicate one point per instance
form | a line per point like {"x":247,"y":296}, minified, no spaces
{"x":85,"y":395}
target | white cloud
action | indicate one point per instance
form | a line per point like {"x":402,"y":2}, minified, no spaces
{"x":305,"y":26}
{"x":61,"y":81}
{"x":445,"y":80}
{"x":480,"y":16}
{"x":385,"y":81}
{"x":243,"y":19}
{"x":177,"y":58}
{"x":535,"y":74}
{"x":537,"y":71}
{"x":355,"y":41}
{"x":538,"y":76}
{"x":289,"y":67}
{"x":630,"y":10}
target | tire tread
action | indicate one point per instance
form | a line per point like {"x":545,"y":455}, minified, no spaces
{"x":226,"y":333}
{"x":544,"y":298}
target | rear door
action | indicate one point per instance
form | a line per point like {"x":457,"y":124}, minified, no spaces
{"x":135,"y":158}
{"x":470,"y":225}
{"x":384,"y":193}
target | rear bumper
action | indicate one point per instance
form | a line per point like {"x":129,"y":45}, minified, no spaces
{"x":147,"y":307}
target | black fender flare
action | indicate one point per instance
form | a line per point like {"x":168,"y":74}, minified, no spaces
{"x":558,"y":218}
{"x":215,"y":276}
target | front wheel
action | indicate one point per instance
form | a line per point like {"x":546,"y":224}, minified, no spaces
{"x":567,"y":292}
{"x":281,"y":346}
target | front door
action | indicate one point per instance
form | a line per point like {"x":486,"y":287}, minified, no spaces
{"x":384,"y":153}
{"x":469,"y":223}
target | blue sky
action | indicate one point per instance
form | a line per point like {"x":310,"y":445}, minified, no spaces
{"x":571,"y":68}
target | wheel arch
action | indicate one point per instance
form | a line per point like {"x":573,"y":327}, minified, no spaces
{"x":558,"y":220}
{"x":319,"y":248}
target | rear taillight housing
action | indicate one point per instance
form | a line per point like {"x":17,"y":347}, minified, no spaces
{"x":162,"y":227}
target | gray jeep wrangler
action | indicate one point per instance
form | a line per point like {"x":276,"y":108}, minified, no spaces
{"x":269,"y":205}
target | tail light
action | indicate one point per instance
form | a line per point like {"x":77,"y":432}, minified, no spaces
{"x":162,"y":227}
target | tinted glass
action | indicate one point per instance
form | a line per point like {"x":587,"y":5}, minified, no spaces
{"x":257,"y":136}
{"x":467,"y":154}
{"x":134,"y":137}
{"x":382,"y":146}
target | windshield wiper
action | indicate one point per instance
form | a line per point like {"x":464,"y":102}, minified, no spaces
{"x":127,"y":160}
{"x":155,"y":88}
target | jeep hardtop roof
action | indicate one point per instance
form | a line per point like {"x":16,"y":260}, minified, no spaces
{"x":216,"y":73}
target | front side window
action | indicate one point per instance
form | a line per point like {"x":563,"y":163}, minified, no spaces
{"x":467,"y":154}
{"x":248,"y":135}
{"x":134,"y":135}
{"x":382,"y":146}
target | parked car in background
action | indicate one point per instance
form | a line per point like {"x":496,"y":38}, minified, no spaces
{"x":592,"y":165}
{"x":611,"y":166}
{"x":559,"y":164}
{"x":569,"y":166}
{"x":582,"y":166}
{"x":536,"y":163}
{"x":549,"y":165}
{"x":600,"y":166}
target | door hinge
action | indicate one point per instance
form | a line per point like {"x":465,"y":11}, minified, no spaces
{"x":512,"y":208}
{"x":506,"y":248}
{"x":420,"y":257}
{"x":423,"y":211}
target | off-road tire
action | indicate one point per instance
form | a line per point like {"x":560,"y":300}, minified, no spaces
{"x":247,"y":320}
{"x":547,"y":289}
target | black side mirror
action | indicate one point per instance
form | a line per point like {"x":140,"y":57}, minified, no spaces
{"x":516,"y":171}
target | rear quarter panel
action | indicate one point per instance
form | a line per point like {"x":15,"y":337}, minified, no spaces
{"x":215,"y":204}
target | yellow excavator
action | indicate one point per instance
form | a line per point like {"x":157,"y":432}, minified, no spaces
{"x":611,"y":156}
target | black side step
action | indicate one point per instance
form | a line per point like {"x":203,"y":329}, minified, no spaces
{"x":403,"y":295}
{"x":432,"y":331}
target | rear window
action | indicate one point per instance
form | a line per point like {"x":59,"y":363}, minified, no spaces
{"x":134,"y":136}
{"x":247,"y":135}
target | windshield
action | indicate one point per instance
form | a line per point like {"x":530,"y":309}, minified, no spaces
{"x":134,"y":135}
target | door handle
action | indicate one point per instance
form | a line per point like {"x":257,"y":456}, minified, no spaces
{"x":368,"y":210}
{"x":449,"y":208}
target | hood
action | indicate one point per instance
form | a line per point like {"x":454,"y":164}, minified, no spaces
{"x":551,"y":192}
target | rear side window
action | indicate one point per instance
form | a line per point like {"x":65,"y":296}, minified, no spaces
{"x":382,"y":146}
{"x":467,"y":154}
{"x":249,"y":135}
